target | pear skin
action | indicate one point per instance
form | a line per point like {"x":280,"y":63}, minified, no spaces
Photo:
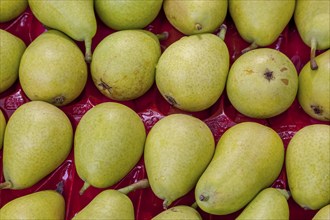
{"x":248,"y":158}
{"x":38,"y":138}
{"x":3,"y":124}
{"x":307,"y":166}
{"x":11,"y":9}
{"x":11,"y":51}
{"x":314,"y":88}
{"x":323,"y":213}
{"x":47,"y":204}
{"x":74,"y":18}
{"x":179,"y":212}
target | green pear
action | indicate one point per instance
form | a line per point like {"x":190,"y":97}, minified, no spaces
{"x":191,"y":73}
{"x":307,"y":166}
{"x":248,"y":158}
{"x":53,"y":69}
{"x":37,"y":140}
{"x":179,"y":212}
{"x":262,"y":83}
{"x":2,"y":127}
{"x":312,"y":19}
{"x":195,"y":17}
{"x":108,"y":142}
{"x":11,"y":9}
{"x":323,"y":213}
{"x":124,"y":63}
{"x":129,"y":14}
{"x":270,"y":203}
{"x":46,"y":204}
{"x":314,"y":88}
{"x":260,"y":22}
{"x":11,"y":51}
{"x":177,"y":151}
{"x":74,"y":18}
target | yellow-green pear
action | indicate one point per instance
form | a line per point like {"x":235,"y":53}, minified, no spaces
{"x":53,"y":69}
{"x":74,"y":18}
{"x":177,"y":151}
{"x":248,"y":158}
{"x":307,"y":166}
{"x":191,"y":73}
{"x":11,"y":9}
{"x":270,"y":203}
{"x":312,"y":19}
{"x":3,"y":124}
{"x":179,"y":212}
{"x":195,"y":16}
{"x":262,"y":83}
{"x":128,"y":14}
{"x":323,"y":213}
{"x":124,"y":64}
{"x":109,"y":141}
{"x":314,"y":88}
{"x":38,"y":138}
{"x":46,"y":204}
{"x":260,"y":22}
{"x":11,"y":51}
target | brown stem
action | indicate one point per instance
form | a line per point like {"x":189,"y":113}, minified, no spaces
{"x":222,"y":32}
{"x":162,"y":36}
{"x":83,"y":188}
{"x":252,"y":46}
{"x":6,"y":185}
{"x":88,"y":50}
{"x":313,"y":63}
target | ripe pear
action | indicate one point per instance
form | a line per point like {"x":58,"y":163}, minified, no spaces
{"x":124,"y":63}
{"x":248,"y":158}
{"x":191,"y":73}
{"x":74,"y":18}
{"x":2,"y":127}
{"x":108,"y":142}
{"x":11,"y":9}
{"x":129,"y":14}
{"x":195,"y":17}
{"x":260,"y":22}
{"x":270,"y":203}
{"x":312,"y":19}
{"x":46,"y":204}
{"x":178,"y":149}
{"x":307,"y":166}
{"x":53,"y":69}
{"x":262,"y":83}
{"x":179,"y":212}
{"x":323,"y":213}
{"x":11,"y":51}
{"x":37,"y":140}
{"x":314,"y":88}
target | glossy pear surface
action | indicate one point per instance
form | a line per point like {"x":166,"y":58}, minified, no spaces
{"x":179,"y":212}
{"x":3,"y":124}
{"x":38,"y":138}
{"x":248,"y":158}
{"x":307,"y":166}
{"x":191,"y":73}
{"x":194,"y":16}
{"x":323,"y":213}
{"x":53,"y":69}
{"x":11,"y":51}
{"x":178,"y":149}
{"x":11,"y":9}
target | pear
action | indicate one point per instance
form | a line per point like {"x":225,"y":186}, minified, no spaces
{"x":307,"y":166}
{"x":47,"y":73}
{"x":124,"y":63}
{"x":314,"y":88}
{"x":108,"y":142}
{"x":129,"y":14}
{"x":11,"y":9}
{"x":191,"y":73}
{"x":195,"y":17}
{"x":323,"y":213}
{"x":11,"y":51}
{"x":260,"y":22}
{"x":37,"y":140}
{"x":46,"y":204}
{"x":248,"y":158}
{"x":2,"y":127}
{"x":179,"y":212}
{"x":262,"y":83}
{"x":177,"y":151}
{"x":270,"y":203}
{"x":74,"y":18}
{"x":312,"y":19}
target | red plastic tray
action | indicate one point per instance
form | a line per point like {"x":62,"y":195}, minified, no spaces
{"x":151,"y":107}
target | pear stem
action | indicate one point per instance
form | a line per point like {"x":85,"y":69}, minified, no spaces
{"x":166,"y":203}
{"x":222,"y":32}
{"x":198,"y":26}
{"x":254,"y":45}
{"x":6,"y":185}
{"x":194,"y":205}
{"x":285,"y":193}
{"x":162,"y":36}
{"x":83,"y":188}
{"x":313,"y":63}
{"x":141,"y":184}
{"x":88,"y":50}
